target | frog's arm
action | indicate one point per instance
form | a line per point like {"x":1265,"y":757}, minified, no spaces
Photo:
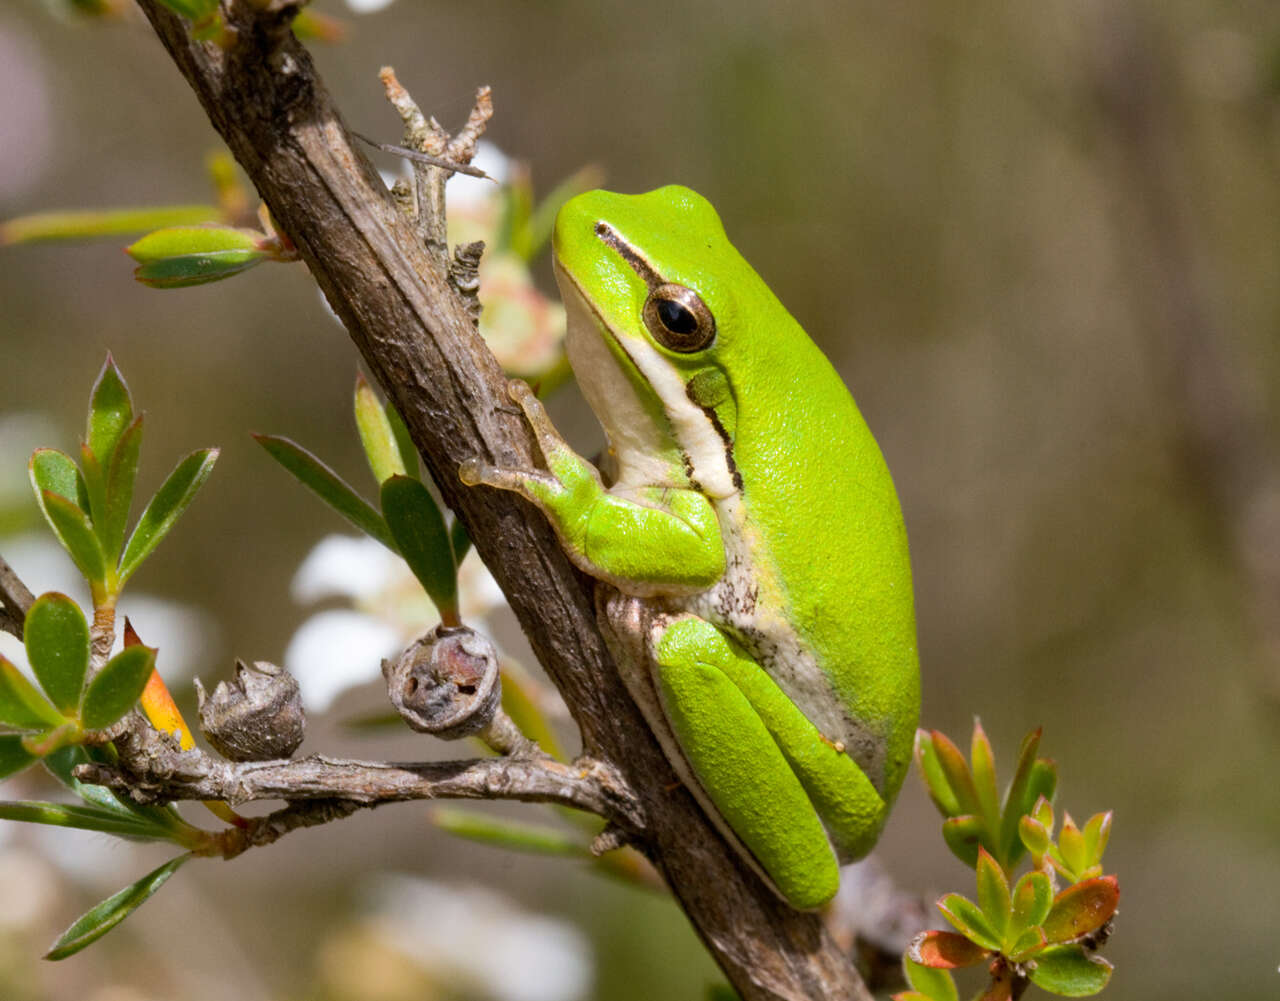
{"x":671,"y":543}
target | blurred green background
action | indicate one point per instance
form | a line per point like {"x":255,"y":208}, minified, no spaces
{"x":1040,"y":241}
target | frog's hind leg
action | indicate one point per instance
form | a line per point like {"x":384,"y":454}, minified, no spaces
{"x":736,"y":761}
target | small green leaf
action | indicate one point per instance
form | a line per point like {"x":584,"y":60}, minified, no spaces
{"x":1097,"y":832}
{"x":13,"y":756}
{"x":95,"y":482}
{"x":1043,"y":780}
{"x":75,"y":532}
{"x":376,"y":434}
{"x":416,"y":524}
{"x":51,"y":471}
{"x":121,"y":474}
{"x":1016,"y":800}
{"x":1082,"y":909}
{"x":1032,"y":898}
{"x":933,"y":984}
{"x":197,"y":269}
{"x":186,"y":241}
{"x":326,"y":484}
{"x":1068,"y":972}
{"x":117,"y":686}
{"x":993,"y":894}
{"x":935,"y":779}
{"x":404,"y":441}
{"x":60,"y":764}
{"x":941,"y":950}
{"x":1034,"y":836}
{"x":110,"y":412}
{"x":459,"y":540}
{"x":964,"y":836}
{"x":57,"y":641}
{"x":165,"y":507}
{"x":22,"y":707}
{"x":518,"y":836}
{"x":984,"y":777}
{"x":1072,"y":847}
{"x":44,"y":226}
{"x":85,"y":818}
{"x":957,"y":773}
{"x":99,"y":920}
{"x":967,"y":919}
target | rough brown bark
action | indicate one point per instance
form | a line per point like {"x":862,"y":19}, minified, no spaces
{"x":415,"y":334}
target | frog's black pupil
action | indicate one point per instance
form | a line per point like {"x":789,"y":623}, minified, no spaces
{"x":676,"y":318}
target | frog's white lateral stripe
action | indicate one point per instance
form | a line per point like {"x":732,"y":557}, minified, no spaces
{"x":694,"y":429}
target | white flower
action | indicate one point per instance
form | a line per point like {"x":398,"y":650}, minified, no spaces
{"x":526,"y":957}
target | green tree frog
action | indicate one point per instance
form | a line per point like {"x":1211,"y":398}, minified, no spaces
{"x":755,"y":584}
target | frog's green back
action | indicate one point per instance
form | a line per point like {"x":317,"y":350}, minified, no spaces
{"x":816,"y":486}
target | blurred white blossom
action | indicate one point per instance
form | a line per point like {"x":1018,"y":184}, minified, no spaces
{"x":475,"y":940}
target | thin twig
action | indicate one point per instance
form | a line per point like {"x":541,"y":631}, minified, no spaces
{"x":15,"y":600}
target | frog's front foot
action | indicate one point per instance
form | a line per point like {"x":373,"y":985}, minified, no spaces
{"x":535,"y":484}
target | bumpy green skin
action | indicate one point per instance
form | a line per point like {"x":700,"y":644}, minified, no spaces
{"x":751,"y":514}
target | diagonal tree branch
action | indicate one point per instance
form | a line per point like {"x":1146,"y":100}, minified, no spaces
{"x":15,"y":600}
{"x":415,"y":333}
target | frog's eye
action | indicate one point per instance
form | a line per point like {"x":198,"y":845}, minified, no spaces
{"x":678,"y":319}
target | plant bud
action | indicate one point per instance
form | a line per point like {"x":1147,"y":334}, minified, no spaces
{"x":446,"y":683}
{"x":256,"y":717}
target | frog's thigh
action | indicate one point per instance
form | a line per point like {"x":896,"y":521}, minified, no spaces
{"x":738,"y":763}
{"x":846,"y":800}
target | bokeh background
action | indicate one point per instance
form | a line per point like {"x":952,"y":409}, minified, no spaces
{"x":1040,"y":241}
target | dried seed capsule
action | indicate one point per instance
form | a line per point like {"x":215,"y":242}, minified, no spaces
{"x":446,"y":683}
{"x":256,"y":717}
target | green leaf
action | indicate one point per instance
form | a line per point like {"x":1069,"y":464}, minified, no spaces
{"x":85,"y":818}
{"x":44,"y":226}
{"x":984,"y":777}
{"x":993,"y":894}
{"x":165,"y":507}
{"x":1032,"y":898}
{"x":1042,"y":782}
{"x":121,"y":475}
{"x":1071,"y":847}
{"x":22,"y":707}
{"x":13,"y":756}
{"x":1082,"y":909}
{"x":404,"y":441}
{"x":110,"y":412}
{"x":937,"y":985}
{"x":514,"y":835}
{"x":956,"y":771}
{"x":967,"y":919}
{"x":99,"y":920}
{"x":1026,"y":945}
{"x":328,"y":486}
{"x":376,"y":434}
{"x":197,"y":269}
{"x":74,"y":530}
{"x":117,"y":686}
{"x":459,"y":540}
{"x":416,"y":524}
{"x":187,"y":241}
{"x":1068,"y":972}
{"x":941,"y":950}
{"x":964,"y":836}
{"x":56,"y":636}
{"x":935,"y":779}
{"x":1016,"y":800}
{"x":1034,"y":836}
{"x":95,"y":483}
{"x":54,"y":472}
{"x":1097,"y":832}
